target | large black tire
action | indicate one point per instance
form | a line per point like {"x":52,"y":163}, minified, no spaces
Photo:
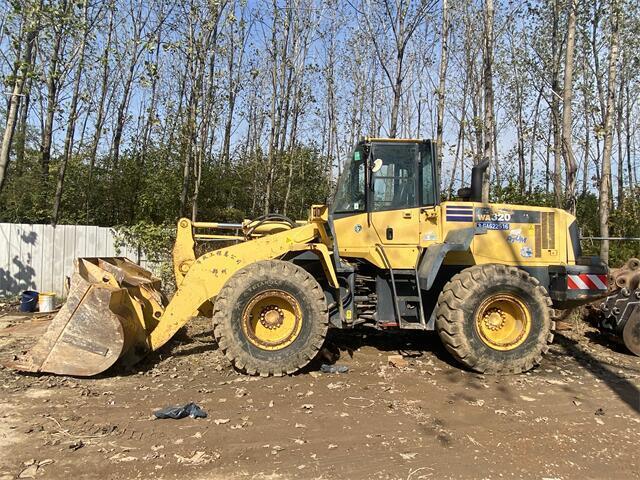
{"x":458,"y":318}
{"x":243,"y":288}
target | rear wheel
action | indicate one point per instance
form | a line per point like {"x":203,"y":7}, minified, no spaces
{"x":495,"y":319}
{"x":270,"y":318}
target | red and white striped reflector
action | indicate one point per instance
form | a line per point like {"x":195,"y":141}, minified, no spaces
{"x":587,"y":281}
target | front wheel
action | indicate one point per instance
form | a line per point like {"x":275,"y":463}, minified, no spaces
{"x":270,"y":318}
{"x":495,"y":319}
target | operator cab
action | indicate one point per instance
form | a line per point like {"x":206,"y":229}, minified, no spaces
{"x":383,"y":216}
{"x":387,"y":174}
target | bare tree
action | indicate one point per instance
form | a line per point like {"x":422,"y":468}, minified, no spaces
{"x":399,"y":19}
{"x":605,"y":180}
{"x":30,"y":31}
{"x":53,"y":85}
{"x":556,"y":53}
{"x":444,"y":58}
{"x":567,"y":117}
{"x":100,"y":115}
{"x":487,"y":79}
{"x":73,"y":114}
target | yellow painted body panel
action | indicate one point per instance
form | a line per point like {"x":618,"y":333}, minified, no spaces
{"x":515,"y":235}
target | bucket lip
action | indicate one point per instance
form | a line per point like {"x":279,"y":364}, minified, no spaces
{"x":47,"y":294}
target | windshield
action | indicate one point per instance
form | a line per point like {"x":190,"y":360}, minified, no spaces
{"x":350,"y":192}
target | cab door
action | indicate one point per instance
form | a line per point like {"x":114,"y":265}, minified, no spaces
{"x":394,"y":205}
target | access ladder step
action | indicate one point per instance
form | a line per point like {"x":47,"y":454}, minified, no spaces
{"x":408,"y":298}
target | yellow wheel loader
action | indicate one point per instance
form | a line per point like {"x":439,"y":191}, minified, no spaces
{"x":387,"y":253}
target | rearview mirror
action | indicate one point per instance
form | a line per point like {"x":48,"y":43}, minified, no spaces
{"x":377,"y":165}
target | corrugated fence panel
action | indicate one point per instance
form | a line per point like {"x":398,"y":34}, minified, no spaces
{"x":40,"y":257}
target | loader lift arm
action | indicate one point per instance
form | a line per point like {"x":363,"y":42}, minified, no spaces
{"x":116,"y":312}
{"x":206,"y":275}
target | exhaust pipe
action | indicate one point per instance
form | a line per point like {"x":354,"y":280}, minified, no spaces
{"x":477,"y":174}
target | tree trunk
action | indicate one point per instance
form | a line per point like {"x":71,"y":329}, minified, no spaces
{"x":619,"y":118}
{"x":100,"y":116}
{"x":587,"y":134}
{"x":627,"y":112}
{"x":488,"y":96}
{"x":10,"y":128}
{"x":71,"y":127}
{"x":14,"y":99}
{"x":24,"y":110}
{"x":567,"y":117}
{"x":442,"y":78}
{"x":555,"y":106}
{"x":534,"y":138}
{"x":459,"y":156}
{"x":395,"y":107}
{"x":231,"y":100}
{"x":520,"y":143}
{"x":605,"y":182}
{"x":121,"y":118}
{"x":275,"y":108}
{"x":52,"y":99}
{"x":187,"y":140}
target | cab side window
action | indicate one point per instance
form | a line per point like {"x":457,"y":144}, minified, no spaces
{"x":428,"y":187}
{"x":394,"y":178}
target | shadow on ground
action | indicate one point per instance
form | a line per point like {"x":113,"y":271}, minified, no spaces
{"x":617,"y":382}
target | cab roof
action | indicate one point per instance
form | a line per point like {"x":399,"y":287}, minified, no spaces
{"x":393,"y":140}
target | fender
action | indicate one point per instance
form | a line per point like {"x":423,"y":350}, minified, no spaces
{"x":321,"y":250}
{"x":431,"y":260}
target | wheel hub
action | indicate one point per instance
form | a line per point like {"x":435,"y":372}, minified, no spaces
{"x":503,"y":321}
{"x":271,"y":317}
{"x":494,"y":319}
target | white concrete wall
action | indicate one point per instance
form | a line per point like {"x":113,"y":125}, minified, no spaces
{"x":39,"y":257}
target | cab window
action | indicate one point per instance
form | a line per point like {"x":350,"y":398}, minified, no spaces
{"x":394,"y":176}
{"x":428,"y":187}
{"x":350,"y":192}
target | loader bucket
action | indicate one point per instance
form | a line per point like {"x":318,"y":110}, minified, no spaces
{"x":112,"y":306}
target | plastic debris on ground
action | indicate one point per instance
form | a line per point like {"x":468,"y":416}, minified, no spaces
{"x":325,"y":368}
{"x":189,"y":410}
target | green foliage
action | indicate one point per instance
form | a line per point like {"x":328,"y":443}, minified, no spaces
{"x":155,"y":242}
{"x":146,"y":188}
{"x":624,"y":220}
{"x":511,"y":194}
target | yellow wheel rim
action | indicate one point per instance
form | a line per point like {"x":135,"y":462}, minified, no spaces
{"x":272,"y":320}
{"x":503,"y":322}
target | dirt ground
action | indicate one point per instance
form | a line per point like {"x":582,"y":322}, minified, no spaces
{"x":577,"y":416}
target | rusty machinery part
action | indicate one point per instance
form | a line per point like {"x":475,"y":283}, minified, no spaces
{"x":495,"y":319}
{"x":270,"y":318}
{"x":628,"y":276}
{"x":621,"y":317}
{"x":112,"y":306}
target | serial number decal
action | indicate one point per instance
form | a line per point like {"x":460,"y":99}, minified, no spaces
{"x":493,"y":225}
